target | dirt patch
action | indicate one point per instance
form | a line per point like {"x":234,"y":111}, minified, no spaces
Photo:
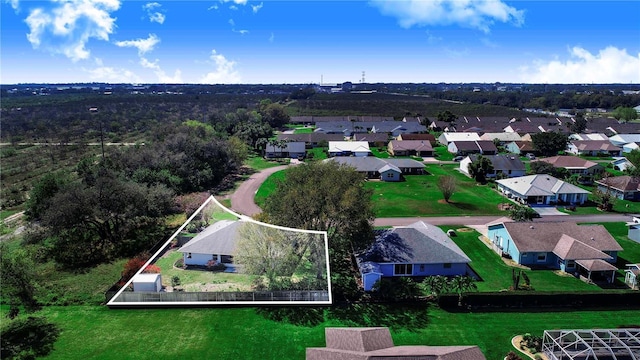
{"x":465,"y":229}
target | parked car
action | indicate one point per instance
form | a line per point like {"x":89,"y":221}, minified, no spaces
{"x":530,"y":156}
{"x":458,"y":158}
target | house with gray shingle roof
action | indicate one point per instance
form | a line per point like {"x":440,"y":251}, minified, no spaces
{"x":593,"y":148}
{"x":419,"y":249}
{"x":622,"y":187}
{"x":383,"y":169}
{"x":541,"y":189}
{"x":410,"y":147}
{"x":503,"y":165}
{"x":217,"y":242}
{"x":588,"y":250}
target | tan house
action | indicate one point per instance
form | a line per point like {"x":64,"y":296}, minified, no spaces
{"x":410,"y":148}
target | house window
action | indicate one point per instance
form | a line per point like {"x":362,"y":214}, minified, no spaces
{"x":542,"y":257}
{"x":390,"y":175}
{"x":446,"y":265}
{"x":571,"y":264}
{"x":403,"y":269}
{"x":189,"y":256}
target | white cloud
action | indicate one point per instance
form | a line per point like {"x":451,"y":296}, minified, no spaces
{"x":67,"y":27}
{"x":256,"y":8}
{"x":272,"y":37}
{"x":143,"y":45}
{"x":161,"y":74}
{"x":239,"y":2}
{"x":154,"y":16}
{"x":224,"y":73}
{"x":479,"y":14}
{"x":242,"y":32}
{"x":15,"y":4}
{"x":609,"y":65}
{"x":112,"y":75}
{"x":213,"y":7}
{"x":231,"y":22}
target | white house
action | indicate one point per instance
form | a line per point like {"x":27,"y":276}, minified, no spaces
{"x":147,"y":283}
{"x":448,"y":137}
{"x":621,"y":139}
{"x":216,"y":243}
{"x":349,"y":148}
{"x":507,"y":165}
{"x":541,"y":189}
{"x":627,"y":148}
{"x":503,"y":137}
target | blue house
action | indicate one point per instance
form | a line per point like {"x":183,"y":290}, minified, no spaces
{"x":418,"y":250}
{"x":587,"y":250}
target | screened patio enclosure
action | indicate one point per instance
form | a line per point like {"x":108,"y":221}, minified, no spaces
{"x":594,"y":344}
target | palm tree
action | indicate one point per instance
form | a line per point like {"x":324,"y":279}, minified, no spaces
{"x":479,"y":168}
{"x":461,"y":285}
{"x":435,"y":285}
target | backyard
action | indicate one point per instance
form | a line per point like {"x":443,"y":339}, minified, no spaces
{"x":496,"y":274}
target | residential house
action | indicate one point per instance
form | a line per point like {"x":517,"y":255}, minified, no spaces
{"x":216,"y":243}
{"x":472,"y":147}
{"x":419,"y":249}
{"x":634,"y":229}
{"x":589,"y":137}
{"x":622,"y":187}
{"x":448,"y":137}
{"x":410,"y":147}
{"x":295,"y":149}
{"x":311,"y":140}
{"x":314,"y":120}
{"x":506,"y":166}
{"x":541,"y":189}
{"x":632,"y":276}
{"x":348,"y":128}
{"x":575,"y":165}
{"x":423,"y":137}
{"x":349,"y":148}
{"x":502,"y":137}
{"x":383,"y":169}
{"x":588,"y":250}
{"x":374,"y":139}
{"x":627,"y":148}
{"x":521,"y":148}
{"x":375,"y":343}
{"x":621,"y":163}
{"x":621,"y":139}
{"x":593,"y":148}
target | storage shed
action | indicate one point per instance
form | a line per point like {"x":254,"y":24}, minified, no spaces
{"x":147,"y":283}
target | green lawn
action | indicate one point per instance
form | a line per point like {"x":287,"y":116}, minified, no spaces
{"x":304,"y":130}
{"x":420,"y":196}
{"x":259,"y":163}
{"x":380,"y":152}
{"x":496,"y":275}
{"x":318,"y":153}
{"x":268,"y":187}
{"x":95,"y":332}
{"x":441,"y":153}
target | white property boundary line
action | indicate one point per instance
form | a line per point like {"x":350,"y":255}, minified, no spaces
{"x":113,"y":303}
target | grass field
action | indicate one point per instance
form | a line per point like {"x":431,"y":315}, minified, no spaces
{"x":420,"y":196}
{"x":95,"y":332}
{"x":441,"y":153}
{"x":259,"y":163}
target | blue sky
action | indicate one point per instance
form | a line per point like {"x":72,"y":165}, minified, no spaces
{"x":243,"y":41}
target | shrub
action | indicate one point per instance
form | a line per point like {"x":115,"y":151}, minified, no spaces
{"x":152,"y":269}
{"x":175,"y":281}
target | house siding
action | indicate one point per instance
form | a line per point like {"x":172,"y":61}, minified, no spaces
{"x":197,"y":259}
{"x":427,"y":270}
{"x":390,"y":175}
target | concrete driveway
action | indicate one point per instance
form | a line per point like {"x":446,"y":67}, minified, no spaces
{"x":547,"y":211}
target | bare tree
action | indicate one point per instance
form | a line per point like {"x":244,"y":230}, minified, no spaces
{"x":447,"y":185}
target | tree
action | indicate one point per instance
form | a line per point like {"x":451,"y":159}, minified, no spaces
{"x":91,"y":224}
{"x":634,"y":159}
{"x":27,"y":338}
{"x":522,"y":213}
{"x":325,"y":196}
{"x":447,"y":185}
{"x":446,"y":116}
{"x":238,"y":150}
{"x":274,"y":115}
{"x":479,"y":168}
{"x":550,"y":143}
{"x":17,"y":278}
{"x":580,"y":124}
{"x":435,"y":285}
{"x":462,"y":284}
{"x":276,"y":253}
{"x":625,"y":113}
{"x":42,"y":193}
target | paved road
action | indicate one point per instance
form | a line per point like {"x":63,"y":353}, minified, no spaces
{"x":242,"y":202}
{"x":242,"y":199}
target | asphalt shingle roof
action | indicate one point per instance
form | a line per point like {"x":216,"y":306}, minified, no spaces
{"x":219,"y":238}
